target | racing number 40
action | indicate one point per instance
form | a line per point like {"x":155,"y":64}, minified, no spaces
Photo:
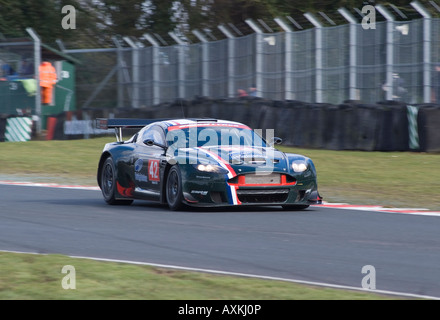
{"x":153,"y":170}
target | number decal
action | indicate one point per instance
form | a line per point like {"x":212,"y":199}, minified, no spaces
{"x":153,"y":170}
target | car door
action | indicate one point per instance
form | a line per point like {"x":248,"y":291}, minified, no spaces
{"x":147,"y":162}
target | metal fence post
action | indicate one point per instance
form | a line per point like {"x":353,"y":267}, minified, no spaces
{"x":318,"y":60}
{"x":205,"y":62}
{"x":258,"y":57}
{"x":135,"y":72}
{"x":120,"y":88}
{"x":181,"y":64}
{"x":288,"y":59}
{"x":353,"y":54}
{"x":37,"y":62}
{"x":231,"y":59}
{"x":426,"y":50}
{"x":390,"y":50}
{"x":156,"y":67}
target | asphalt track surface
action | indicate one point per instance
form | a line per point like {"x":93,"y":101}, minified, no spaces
{"x":323,"y":245}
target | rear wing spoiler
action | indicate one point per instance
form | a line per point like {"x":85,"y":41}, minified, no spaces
{"x":119,"y":124}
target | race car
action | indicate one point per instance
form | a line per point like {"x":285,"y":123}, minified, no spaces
{"x":204,"y":163}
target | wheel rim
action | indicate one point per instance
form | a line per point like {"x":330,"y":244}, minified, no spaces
{"x":172,"y":187}
{"x":107,"y":179}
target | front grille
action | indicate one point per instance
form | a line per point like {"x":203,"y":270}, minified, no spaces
{"x":272,"y":178}
{"x":262,"y":196}
{"x":253,"y":178}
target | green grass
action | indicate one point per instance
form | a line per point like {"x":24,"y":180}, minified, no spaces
{"x":74,"y":161}
{"x":39,"y":277}
{"x":385,"y":178}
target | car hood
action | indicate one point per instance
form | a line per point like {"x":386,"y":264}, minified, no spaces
{"x":240,"y":158}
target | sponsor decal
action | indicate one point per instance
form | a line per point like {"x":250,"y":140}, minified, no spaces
{"x":140,"y":177}
{"x":201,"y":192}
{"x":138,"y":165}
{"x":137,"y":168}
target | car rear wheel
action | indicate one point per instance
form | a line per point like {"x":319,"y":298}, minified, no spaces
{"x":295,"y":207}
{"x":174,"y":194}
{"x":108,"y":183}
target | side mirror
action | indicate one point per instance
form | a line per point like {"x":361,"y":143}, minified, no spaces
{"x":276,"y":140}
{"x":151,"y":142}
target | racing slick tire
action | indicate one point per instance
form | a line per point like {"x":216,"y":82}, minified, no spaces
{"x":108,"y":183}
{"x":295,"y":207}
{"x":173,"y":189}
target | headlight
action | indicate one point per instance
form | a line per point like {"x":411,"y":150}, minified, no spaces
{"x":299,"y":166}
{"x":210,"y":168}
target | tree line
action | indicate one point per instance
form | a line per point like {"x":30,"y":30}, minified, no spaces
{"x":98,"y":21}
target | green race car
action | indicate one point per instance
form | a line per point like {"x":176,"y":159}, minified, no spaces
{"x":204,"y":163}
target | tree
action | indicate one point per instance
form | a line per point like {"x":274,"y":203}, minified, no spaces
{"x":121,"y":17}
{"x":99,"y":20}
{"x":45,"y":17}
{"x":162,"y":17}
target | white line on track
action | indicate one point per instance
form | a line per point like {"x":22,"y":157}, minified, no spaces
{"x":411,"y":211}
{"x":372,"y":208}
{"x":237,"y":274}
{"x":48,"y":185}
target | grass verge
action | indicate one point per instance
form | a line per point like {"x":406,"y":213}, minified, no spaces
{"x":40,"y":277}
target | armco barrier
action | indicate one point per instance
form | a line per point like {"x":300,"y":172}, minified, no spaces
{"x":348,"y":126}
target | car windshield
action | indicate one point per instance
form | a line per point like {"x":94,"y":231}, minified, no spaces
{"x":208,"y":135}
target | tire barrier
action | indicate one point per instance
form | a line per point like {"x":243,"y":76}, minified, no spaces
{"x":428,"y":123}
{"x":366,"y":133}
{"x":393,"y":129}
{"x":352,"y":125}
{"x":3,"y":120}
